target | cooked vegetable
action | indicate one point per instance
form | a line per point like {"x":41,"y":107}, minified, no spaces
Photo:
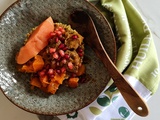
{"x":35,"y":82}
{"x":33,"y":66}
{"x":38,"y":63}
{"x":36,"y":42}
{"x":81,"y":70}
{"x":73,"y":82}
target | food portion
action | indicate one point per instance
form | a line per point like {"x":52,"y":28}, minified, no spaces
{"x":53,"y":53}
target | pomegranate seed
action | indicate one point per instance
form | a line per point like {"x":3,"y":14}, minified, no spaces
{"x":50,"y":39}
{"x":66,"y":56}
{"x":62,"y":39}
{"x":52,"y":34}
{"x":58,"y":33}
{"x":63,"y":69}
{"x":73,"y":75}
{"x":80,"y":64}
{"x":64,"y":61}
{"x":50,"y":71}
{"x":61,"y":46}
{"x":60,"y":36}
{"x":58,"y":71}
{"x":57,"y":39}
{"x":44,"y":70}
{"x":63,"y":31}
{"x":59,"y":58}
{"x":52,"y":50}
{"x":80,"y":54}
{"x":41,"y":73}
{"x":65,"y":48}
{"x":55,"y":55}
{"x":51,"y":76}
{"x":74,"y":36}
{"x":57,"y":63}
{"x":70,"y":65}
{"x":61,"y":52}
{"x":80,"y":50}
{"x":47,"y":67}
{"x":60,"y":28}
{"x":56,"y":29}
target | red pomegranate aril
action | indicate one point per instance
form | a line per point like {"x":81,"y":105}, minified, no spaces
{"x":80,"y":64}
{"x":46,"y":67}
{"x":52,"y":50}
{"x":70,"y":65}
{"x":61,"y":46}
{"x":58,"y":71}
{"x":41,"y":73}
{"x":73,"y":75}
{"x":52,"y":34}
{"x":59,"y":58}
{"x":64,"y":61}
{"x":57,"y":63}
{"x":63,"y":69}
{"x":56,"y":29}
{"x":50,"y":71}
{"x":80,"y":50}
{"x":57,"y":39}
{"x":65,"y":48}
{"x":61,"y":38}
{"x":61,"y":52}
{"x":80,"y":54}
{"x":55,"y":55}
{"x":51,"y":76}
{"x":60,"y":28}
{"x":63,"y":31}
{"x":74,"y":36}
{"x":50,"y":39}
{"x":58,"y":33}
{"x":66,"y":56}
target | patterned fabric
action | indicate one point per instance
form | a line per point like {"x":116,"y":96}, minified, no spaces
{"x":136,"y":58}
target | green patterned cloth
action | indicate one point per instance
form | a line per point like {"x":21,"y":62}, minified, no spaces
{"x":136,"y":59}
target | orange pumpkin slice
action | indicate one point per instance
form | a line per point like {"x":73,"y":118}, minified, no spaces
{"x":36,"y":42}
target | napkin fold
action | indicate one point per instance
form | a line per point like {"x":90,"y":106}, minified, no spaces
{"x":136,"y":59}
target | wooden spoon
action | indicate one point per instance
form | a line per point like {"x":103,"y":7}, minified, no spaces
{"x":83,"y":23}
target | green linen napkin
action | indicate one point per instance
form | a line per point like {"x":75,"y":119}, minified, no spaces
{"x":136,"y":59}
{"x":137,"y":54}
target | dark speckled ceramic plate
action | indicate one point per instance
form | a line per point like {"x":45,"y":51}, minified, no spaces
{"x":18,"y":20}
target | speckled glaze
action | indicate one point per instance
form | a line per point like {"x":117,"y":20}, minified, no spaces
{"x":18,"y":20}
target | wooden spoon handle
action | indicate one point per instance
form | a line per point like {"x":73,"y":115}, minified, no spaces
{"x":134,"y":100}
{"x":85,"y":25}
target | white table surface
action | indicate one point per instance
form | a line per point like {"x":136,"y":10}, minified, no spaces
{"x":150,"y":11}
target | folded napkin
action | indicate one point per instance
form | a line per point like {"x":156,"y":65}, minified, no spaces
{"x":136,"y":59}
